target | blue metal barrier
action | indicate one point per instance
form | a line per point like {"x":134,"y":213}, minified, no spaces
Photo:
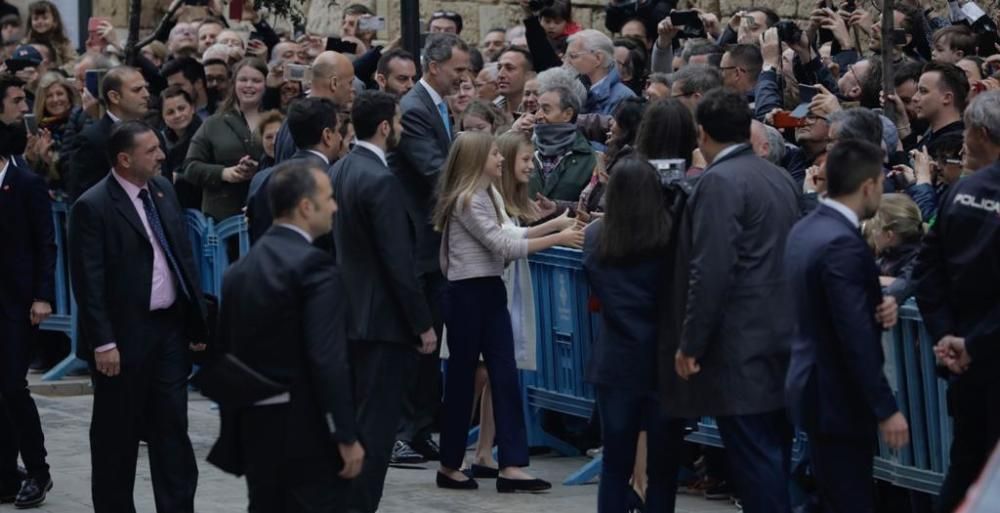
{"x":208,"y":242}
{"x":566,"y":330}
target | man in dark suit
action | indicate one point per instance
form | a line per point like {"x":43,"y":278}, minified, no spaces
{"x":417,"y":161}
{"x":27,"y":291}
{"x":376,"y":239}
{"x":284,"y":314}
{"x":125,"y":95}
{"x":313,"y":124}
{"x":835,"y":386}
{"x":734,"y":351}
{"x":140,"y":310}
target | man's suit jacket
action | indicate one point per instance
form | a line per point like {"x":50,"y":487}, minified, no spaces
{"x":28,"y":258}
{"x":738,"y":324}
{"x":376,"y":239}
{"x":111,"y":266}
{"x":418,"y":161}
{"x":90,"y":163}
{"x":835,"y":384}
{"x":283,"y":313}
{"x":258,"y":205}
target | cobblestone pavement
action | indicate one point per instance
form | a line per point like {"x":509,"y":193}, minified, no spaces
{"x":66,"y":421}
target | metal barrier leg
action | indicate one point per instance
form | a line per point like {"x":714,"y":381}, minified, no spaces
{"x":69,"y":364}
{"x":473,"y":437}
{"x":587,"y":473}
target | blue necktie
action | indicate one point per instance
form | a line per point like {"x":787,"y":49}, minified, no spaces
{"x":443,"y":109}
{"x":154,"y":224}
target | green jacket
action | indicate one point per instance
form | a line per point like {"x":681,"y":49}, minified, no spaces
{"x":222,"y":141}
{"x":570,"y":176}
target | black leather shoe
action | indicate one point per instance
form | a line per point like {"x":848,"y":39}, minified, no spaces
{"x":505,"y":485}
{"x":8,"y":492}
{"x":429,"y":449}
{"x":33,"y":492}
{"x":484,"y":472}
{"x":448,"y":483}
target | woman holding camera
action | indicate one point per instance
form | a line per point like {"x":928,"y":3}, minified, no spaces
{"x":625,"y":257}
{"x":222,"y":156}
{"x":474,"y":250}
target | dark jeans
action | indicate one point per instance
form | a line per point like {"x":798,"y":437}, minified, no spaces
{"x":974,"y":404}
{"x":147,"y":401}
{"x":475,"y":311}
{"x":423,"y":399}
{"x":843,"y":471}
{"x":758,"y":448}
{"x":623,"y":414}
{"x":20,"y":427}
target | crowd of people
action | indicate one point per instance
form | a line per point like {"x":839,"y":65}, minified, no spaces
{"x":752,"y":205}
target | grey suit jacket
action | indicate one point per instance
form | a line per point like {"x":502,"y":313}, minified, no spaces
{"x":739,"y":320}
{"x":418,"y":161}
{"x":376,"y":239}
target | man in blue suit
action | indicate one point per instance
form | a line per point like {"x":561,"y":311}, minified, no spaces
{"x":835,"y":388}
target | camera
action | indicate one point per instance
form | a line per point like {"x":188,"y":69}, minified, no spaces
{"x":669,"y":170}
{"x":789,"y":32}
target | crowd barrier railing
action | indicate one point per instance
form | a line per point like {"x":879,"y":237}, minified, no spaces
{"x":566,"y":330}
{"x":209,"y":242}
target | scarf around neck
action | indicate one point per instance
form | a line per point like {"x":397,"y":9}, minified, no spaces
{"x":553,"y":140}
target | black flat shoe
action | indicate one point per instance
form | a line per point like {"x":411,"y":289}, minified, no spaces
{"x":32,"y":493}
{"x":484,"y":472}
{"x":448,"y":483}
{"x":505,"y":485}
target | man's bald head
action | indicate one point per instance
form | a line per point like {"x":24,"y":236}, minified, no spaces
{"x":333,"y":75}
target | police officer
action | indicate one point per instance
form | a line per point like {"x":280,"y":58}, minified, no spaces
{"x":957,"y":275}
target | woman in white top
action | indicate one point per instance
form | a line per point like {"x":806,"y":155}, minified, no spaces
{"x":475,"y":248}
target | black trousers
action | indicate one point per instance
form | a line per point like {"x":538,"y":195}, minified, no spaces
{"x":479,"y":324}
{"x":382,"y":372}
{"x":423,"y":399}
{"x":759,"y":449}
{"x":277,"y":484}
{"x":974,"y":404}
{"x":843,"y":469}
{"x":146,"y":401}
{"x":20,"y":427}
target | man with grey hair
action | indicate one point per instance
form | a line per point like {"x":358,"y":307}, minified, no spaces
{"x":982,"y":131}
{"x":956,"y":275}
{"x":657,"y":86}
{"x":591,"y":54}
{"x":564,"y":160}
{"x":855,"y":123}
{"x":767,"y":142}
{"x":417,"y":161}
{"x":691,"y":82}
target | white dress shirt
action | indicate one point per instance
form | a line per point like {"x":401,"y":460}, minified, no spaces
{"x":844,"y":211}
{"x":374,"y":149}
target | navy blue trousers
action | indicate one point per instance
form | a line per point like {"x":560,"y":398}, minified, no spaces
{"x":477,"y":322}
{"x":623,"y":414}
{"x":759,"y":449}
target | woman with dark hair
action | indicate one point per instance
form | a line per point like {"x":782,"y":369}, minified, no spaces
{"x":622,"y":132}
{"x":625,"y":259}
{"x":630,"y":58}
{"x":223,"y":152}
{"x":667,"y":131}
{"x":45,"y":26}
{"x":180,"y":123}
